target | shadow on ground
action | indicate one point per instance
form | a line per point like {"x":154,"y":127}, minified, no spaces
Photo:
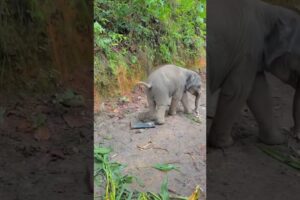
{"x":243,"y":171}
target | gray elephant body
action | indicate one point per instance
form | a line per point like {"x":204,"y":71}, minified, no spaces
{"x":170,"y":82}
{"x":246,"y":38}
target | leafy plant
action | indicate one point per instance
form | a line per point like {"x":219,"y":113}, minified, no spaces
{"x":115,"y":182}
{"x":286,"y":159}
{"x":109,"y":176}
{"x":193,"y":118}
{"x":139,"y":34}
{"x":41,"y":41}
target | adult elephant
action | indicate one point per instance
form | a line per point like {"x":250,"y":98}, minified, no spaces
{"x":246,"y":38}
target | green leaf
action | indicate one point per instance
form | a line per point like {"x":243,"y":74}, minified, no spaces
{"x":102,"y":150}
{"x":98,"y":28}
{"x":121,"y":193}
{"x":164,"y":189}
{"x":130,"y":195}
{"x":165,"y":167}
{"x":292,"y":162}
{"x":127,"y":179}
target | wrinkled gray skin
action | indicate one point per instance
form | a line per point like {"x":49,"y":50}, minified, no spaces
{"x":170,"y":82}
{"x":245,"y":39}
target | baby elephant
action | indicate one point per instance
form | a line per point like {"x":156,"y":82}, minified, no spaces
{"x":170,"y":81}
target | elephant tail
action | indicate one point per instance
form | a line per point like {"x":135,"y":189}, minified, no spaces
{"x":147,"y":85}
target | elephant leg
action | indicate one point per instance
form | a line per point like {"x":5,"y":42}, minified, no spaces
{"x":211,"y":107}
{"x":232,"y":98}
{"x":227,"y":112}
{"x":185,"y":103}
{"x":173,"y":106}
{"x":197,"y":100}
{"x":160,"y":114}
{"x":150,"y":114}
{"x":162,"y":100}
{"x":175,"y":101}
{"x":260,"y":104}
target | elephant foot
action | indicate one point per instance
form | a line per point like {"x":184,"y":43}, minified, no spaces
{"x":172,"y":112}
{"x":272,"y":139}
{"x":188,"y":111}
{"x":160,"y":115}
{"x":160,"y":121}
{"x":296,"y":132}
{"x":220,"y":142}
{"x":298,"y":136}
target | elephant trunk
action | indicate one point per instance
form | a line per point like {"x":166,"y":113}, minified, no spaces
{"x":296,"y":111}
{"x":197,"y":100}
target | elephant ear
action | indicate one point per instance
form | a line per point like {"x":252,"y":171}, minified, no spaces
{"x":282,"y":40}
{"x":193,"y":79}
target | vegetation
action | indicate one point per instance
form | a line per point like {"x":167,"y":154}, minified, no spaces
{"x":131,"y":37}
{"x":40,"y":39}
{"x":115,"y":185}
{"x":290,"y":158}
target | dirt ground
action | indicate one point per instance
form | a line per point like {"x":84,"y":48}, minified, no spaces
{"x":180,"y":141}
{"x":44,"y":162}
{"x":243,"y":171}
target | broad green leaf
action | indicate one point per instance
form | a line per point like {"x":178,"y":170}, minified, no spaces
{"x":165,"y":167}
{"x":102,"y":150}
{"x":164,"y":193}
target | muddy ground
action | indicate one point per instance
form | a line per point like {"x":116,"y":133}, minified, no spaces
{"x":243,"y":171}
{"x":180,"y":141}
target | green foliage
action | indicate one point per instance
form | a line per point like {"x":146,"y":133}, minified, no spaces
{"x":164,"y":190}
{"x":287,"y":159}
{"x":22,"y":39}
{"x":115,"y":182}
{"x":29,"y":29}
{"x":165,"y":167}
{"x":108,"y":174}
{"x":165,"y":31}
